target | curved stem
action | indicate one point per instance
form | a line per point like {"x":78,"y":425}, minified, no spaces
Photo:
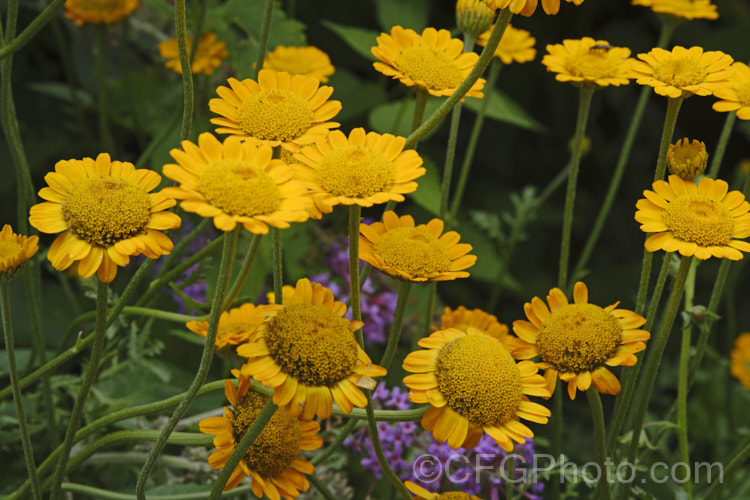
{"x":355,"y":213}
{"x":420,"y":103}
{"x":735,"y":462}
{"x":28,"y":451}
{"x":584,"y":104}
{"x":597,"y":415}
{"x":398,"y":319}
{"x":247,"y":264}
{"x":450,"y":154}
{"x":682,"y":383}
{"x":94,"y":492}
{"x":340,"y":437}
{"x":180,"y":23}
{"x":278,"y":269}
{"x":182,"y":245}
{"x":222,"y":281}
{"x":721,"y":146}
{"x":242,"y":447}
{"x":670,"y":120}
{"x":101,"y":82}
{"x":83,"y":392}
{"x":263,"y":40}
{"x":321,"y":487}
{"x":32,"y":29}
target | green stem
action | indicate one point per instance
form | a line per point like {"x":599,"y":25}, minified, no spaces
{"x":372,"y":428}
{"x":738,"y":460}
{"x":187,"y":72}
{"x":340,"y":437}
{"x":600,"y":440}
{"x":670,"y":120}
{"x":510,"y":490}
{"x":222,"y":282}
{"x":101,"y":89}
{"x":247,"y":264}
{"x":484,"y":60}
{"x":242,"y":447}
{"x":584,"y":104}
{"x":429,"y":312}
{"x":420,"y":103}
{"x":157,"y":141}
{"x":651,"y":367}
{"x":398,"y":318}
{"x":557,"y":425}
{"x":278,"y":269}
{"x":10,"y":350}
{"x":322,"y":488}
{"x":49,"y":12}
{"x":476,"y":131}
{"x":164,"y":315}
{"x":682,"y":383}
{"x":88,"y":380}
{"x":450,"y":154}
{"x":355,"y":214}
{"x":263,"y":40}
{"x":182,"y":245}
{"x":721,"y":146}
{"x":110,"y":495}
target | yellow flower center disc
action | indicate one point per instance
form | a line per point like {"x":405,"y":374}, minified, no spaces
{"x":413,"y":251}
{"x":275,"y":115}
{"x":578,"y":338}
{"x":700,"y":220}
{"x":355,"y":171}
{"x":593,"y":65}
{"x":430,"y":66}
{"x":239,"y":188}
{"x":680,"y":72}
{"x":479,"y":380}
{"x":312,"y":344}
{"x":105,"y":210}
{"x":743,"y":93}
{"x":277,"y":445}
{"x":456,"y":495}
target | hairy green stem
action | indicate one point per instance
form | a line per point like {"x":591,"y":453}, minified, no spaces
{"x":600,"y":441}
{"x":398,"y":318}
{"x":278,"y":269}
{"x":721,"y":146}
{"x":263,"y":39}
{"x":355,"y":214}
{"x":88,"y":380}
{"x":247,"y":264}
{"x":682,"y":381}
{"x":385,"y":467}
{"x":99,"y":493}
{"x":322,"y":488}
{"x":105,"y":140}
{"x":340,"y":437}
{"x":670,"y":120}
{"x":222,"y":282}
{"x":180,"y":23}
{"x":182,"y":245}
{"x":420,"y":103}
{"x":557,"y":425}
{"x":14,"y":45}
{"x":738,"y":460}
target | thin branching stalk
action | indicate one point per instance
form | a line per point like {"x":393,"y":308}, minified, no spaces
{"x":322,"y":488}
{"x":682,"y":381}
{"x":278,"y":269}
{"x":187,"y":73}
{"x":732,"y":464}
{"x":721,"y":146}
{"x":263,"y":40}
{"x":398,"y":318}
{"x":355,"y":214}
{"x":247,"y":264}
{"x":597,"y":415}
{"x":45,"y":16}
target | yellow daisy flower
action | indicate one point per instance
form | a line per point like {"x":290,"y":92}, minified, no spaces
{"x":463,"y":319}
{"x":474,"y":386}
{"x":307,"y":61}
{"x":740,"y":359}
{"x":364,"y":169}
{"x":423,"y":494}
{"x":278,"y":110}
{"x":683,"y":72}
{"x":236,"y":182}
{"x":527,"y":7}
{"x":272,"y":462}
{"x":307,"y":353}
{"x":236,"y":325}
{"x":432,"y":62}
{"x":701,"y":219}
{"x":99,"y":11}
{"x":687,"y":159}
{"x":107,"y":213}
{"x":589,"y":62}
{"x":576,"y":342}
{"x":735,"y":94}
{"x":421,"y":253}
{"x":209,"y":53}
{"x":516,"y":45}
{"x":15,"y":250}
{"x":687,"y":9}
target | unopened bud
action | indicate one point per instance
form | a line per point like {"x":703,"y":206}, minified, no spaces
{"x":473,"y":17}
{"x":687,"y":159}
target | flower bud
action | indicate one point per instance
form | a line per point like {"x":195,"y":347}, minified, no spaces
{"x":687,"y":159}
{"x":473,"y":17}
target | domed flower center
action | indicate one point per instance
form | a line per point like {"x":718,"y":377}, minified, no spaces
{"x":413,"y":251}
{"x":743,"y":93}
{"x":456,"y":495}
{"x":430,"y":67}
{"x":312,"y":344}
{"x":277,"y":445}
{"x":681,"y":72}
{"x":593,"y":64}
{"x":105,"y":210}
{"x":699,"y":219}
{"x":578,"y":338}
{"x":479,"y":380}
{"x":239,"y":188}
{"x":355,"y":171}
{"x":275,"y":115}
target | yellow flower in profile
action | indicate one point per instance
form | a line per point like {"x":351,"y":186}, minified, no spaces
{"x":236,"y":325}
{"x":735,"y":93}
{"x":364,"y":169}
{"x":687,"y":159}
{"x":474,"y":386}
{"x":516,"y":45}
{"x":15,"y":250}
{"x":272,"y":462}
{"x":577,"y":342}
{"x":463,"y":319}
{"x":683,"y":72}
{"x":308,"y":61}
{"x":527,"y":7}
{"x":235,"y":182}
{"x":432,"y":62}
{"x":740,"y":359}
{"x":423,"y":494}
{"x":308,"y":354}
{"x":208,"y":54}
{"x":703,"y":220}
{"x":278,"y":110}
{"x":414,"y":253}
{"x":686,"y":9}
{"x":99,"y":11}
{"x":589,"y":62}
{"x":107,"y":214}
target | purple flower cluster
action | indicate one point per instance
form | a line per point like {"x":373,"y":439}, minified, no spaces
{"x":415,"y":456}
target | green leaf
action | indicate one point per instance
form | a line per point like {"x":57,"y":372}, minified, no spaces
{"x":360,"y":40}
{"x":357,"y":96}
{"x":410,"y":14}
{"x":395,"y":117}
{"x":503,"y":108}
{"x":427,"y":194}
